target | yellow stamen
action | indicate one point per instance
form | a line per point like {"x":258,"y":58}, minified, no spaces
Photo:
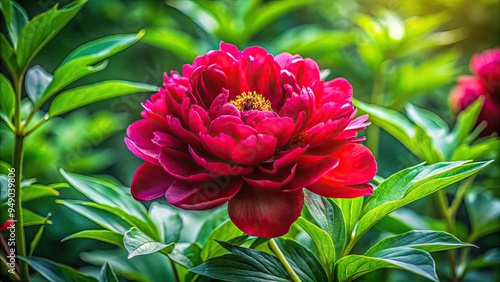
{"x":251,"y":101}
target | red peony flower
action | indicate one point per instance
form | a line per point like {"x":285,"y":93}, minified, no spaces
{"x":253,"y":130}
{"x":8,"y":223}
{"x":486,"y":84}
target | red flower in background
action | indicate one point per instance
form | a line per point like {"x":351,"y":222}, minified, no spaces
{"x":8,"y":223}
{"x":253,"y":130}
{"x":486,"y":84}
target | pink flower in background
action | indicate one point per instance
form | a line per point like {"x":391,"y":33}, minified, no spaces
{"x":486,"y":84}
{"x":8,"y":223}
{"x":253,"y":130}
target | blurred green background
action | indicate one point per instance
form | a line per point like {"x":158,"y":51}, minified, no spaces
{"x":404,"y":51}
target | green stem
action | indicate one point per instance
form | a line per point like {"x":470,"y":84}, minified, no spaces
{"x":349,"y":246}
{"x":450,"y":227}
{"x":283,"y":260}
{"x":459,"y":196}
{"x":377,"y":98}
{"x":5,"y":266}
{"x":174,"y":270}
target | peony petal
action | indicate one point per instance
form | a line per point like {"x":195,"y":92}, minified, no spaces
{"x":220,"y":106}
{"x":338,"y":90}
{"x":150,"y":182}
{"x":147,"y":155}
{"x":265,"y":213}
{"x":282,"y":159}
{"x":221,"y":146}
{"x":326,"y":189}
{"x":217,"y":167}
{"x":262,"y":180}
{"x":204,"y":195}
{"x":182,"y":166}
{"x":309,"y":170}
{"x":166,"y":140}
{"x":253,"y":150}
{"x":232,"y":126}
{"x":356,"y":165}
{"x":281,"y":128}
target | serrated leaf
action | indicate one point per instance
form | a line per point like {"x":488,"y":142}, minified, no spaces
{"x":243,"y":265}
{"x":88,"y":59}
{"x":303,"y":262}
{"x":40,"y":29}
{"x":224,"y":232}
{"x":56,"y":272}
{"x":88,"y":94}
{"x":323,"y":242}
{"x":107,"y":274}
{"x":410,"y":185}
{"x":427,"y":240}
{"x":107,"y":236}
{"x":167,"y":221}
{"x":416,"y":261}
{"x":8,"y":96}
{"x":138,"y":243}
{"x":37,"y":80}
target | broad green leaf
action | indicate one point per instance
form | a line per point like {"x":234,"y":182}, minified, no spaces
{"x":56,"y":272}
{"x":87,"y":59}
{"x":351,"y":209}
{"x":40,"y":29}
{"x":410,"y":185}
{"x":303,"y":261}
{"x":37,"y":191}
{"x":323,"y":242}
{"x":209,"y":225}
{"x":8,"y":97}
{"x":18,"y":20}
{"x":484,"y":212}
{"x":8,"y":55}
{"x":484,"y":149}
{"x":107,"y":274}
{"x":427,"y":240}
{"x":224,"y":232}
{"x":88,"y":94}
{"x":186,"y":254}
{"x":37,"y":237}
{"x":107,"y":236}
{"x":31,"y":218}
{"x":167,"y":221}
{"x":391,"y":121}
{"x":425,"y":148}
{"x":138,"y":243}
{"x":179,"y":43}
{"x":328,"y":216}
{"x":37,"y":80}
{"x":98,"y":216}
{"x":417,"y":261}
{"x":243,"y":265}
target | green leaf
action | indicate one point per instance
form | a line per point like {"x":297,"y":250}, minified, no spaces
{"x":245,"y":265}
{"x":427,"y":240}
{"x":8,"y":55}
{"x":167,"y":221}
{"x":18,"y":20}
{"x":37,"y":237}
{"x":106,"y":236}
{"x":224,"y":232}
{"x":56,"y":272}
{"x":391,"y":121}
{"x":323,"y":242}
{"x":489,"y":259}
{"x":484,"y":212}
{"x":303,"y":262}
{"x":30,"y":218}
{"x":186,"y":254}
{"x":37,"y":191}
{"x":410,"y":185}
{"x":466,"y":120}
{"x":209,"y":225}
{"x":8,"y":97}
{"x":351,"y":209}
{"x":179,"y":43}
{"x":97,"y":215}
{"x":416,"y":261}
{"x":107,"y":274}
{"x":88,"y":59}
{"x":328,"y":216}
{"x":37,"y":80}
{"x":6,"y":7}
{"x":88,"y":94}
{"x":138,"y":243}
{"x":39,"y":30}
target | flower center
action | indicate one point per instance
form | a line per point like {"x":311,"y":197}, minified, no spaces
{"x":251,"y":101}
{"x":297,"y":141}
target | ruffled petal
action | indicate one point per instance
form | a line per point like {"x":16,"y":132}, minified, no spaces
{"x":281,"y":128}
{"x":150,"y":182}
{"x":310,"y":169}
{"x":216,"y":166}
{"x":356,"y":165}
{"x":204,"y":195}
{"x":262,"y":180}
{"x":253,"y":150}
{"x":326,"y":189}
{"x":182,"y":166}
{"x":265,"y":213}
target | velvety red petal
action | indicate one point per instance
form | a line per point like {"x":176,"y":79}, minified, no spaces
{"x":221,"y":146}
{"x":232,"y":126}
{"x":149,"y":156}
{"x":162,"y":139}
{"x":265,"y":213}
{"x":220,"y":106}
{"x":332,"y":190}
{"x":282,"y":159}
{"x":281,"y":128}
{"x":310,"y":169}
{"x":216,"y":166}
{"x":253,"y":150}
{"x":338,"y":90}
{"x":204,"y":195}
{"x":262,"y":180}
{"x":182,"y":166}
{"x":150,"y":182}
{"x":356,"y":165}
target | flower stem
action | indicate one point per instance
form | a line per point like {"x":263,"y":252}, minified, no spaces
{"x":283,"y":260}
{"x":377,"y":98}
{"x":450,"y":227}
